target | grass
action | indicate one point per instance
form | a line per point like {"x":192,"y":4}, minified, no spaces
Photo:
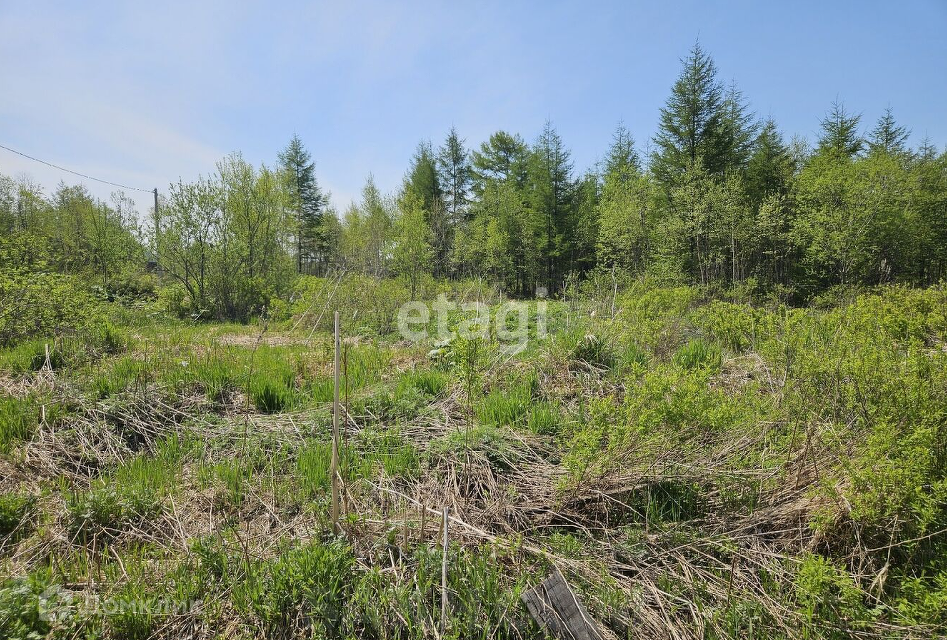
{"x":673,"y":431}
{"x":17,"y":511}
{"x":18,"y":420}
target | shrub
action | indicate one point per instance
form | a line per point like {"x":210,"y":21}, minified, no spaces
{"x":42,"y":304}
{"x":827,"y":593}
{"x":176,"y":301}
{"x":589,"y":348}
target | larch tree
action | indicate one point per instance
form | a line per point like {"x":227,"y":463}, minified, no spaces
{"x":423,"y":183}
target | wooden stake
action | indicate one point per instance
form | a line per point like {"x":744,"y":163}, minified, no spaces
{"x":444,"y":576}
{"x":423,"y":525}
{"x":335,"y":436}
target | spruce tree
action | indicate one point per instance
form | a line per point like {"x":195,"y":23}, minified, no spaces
{"x":740,"y":129}
{"x":840,"y":133}
{"x":307,"y":202}
{"x":423,"y":183}
{"x":693,"y":126}
{"x":770,"y":167}
{"x":454,"y":171}
{"x":887,"y":136}
{"x":553,"y":199}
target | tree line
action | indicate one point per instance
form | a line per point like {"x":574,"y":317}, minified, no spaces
{"x":723,"y":200}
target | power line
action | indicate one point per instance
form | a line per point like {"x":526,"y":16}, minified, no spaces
{"x":75,"y":173}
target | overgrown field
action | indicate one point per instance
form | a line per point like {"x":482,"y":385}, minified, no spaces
{"x":695,"y":468}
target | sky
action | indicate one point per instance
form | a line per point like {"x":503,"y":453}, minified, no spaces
{"x":147,"y":93}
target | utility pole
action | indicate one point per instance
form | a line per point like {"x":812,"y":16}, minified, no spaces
{"x":157,"y":232}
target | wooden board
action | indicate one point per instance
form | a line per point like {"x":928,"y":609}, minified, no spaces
{"x":556,"y":609}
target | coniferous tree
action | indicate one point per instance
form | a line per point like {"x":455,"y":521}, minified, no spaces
{"x":770,"y":167}
{"x":840,"y":133}
{"x":740,"y":130}
{"x":622,"y":162}
{"x":553,"y":200}
{"x":423,"y":182}
{"x":501,"y":158}
{"x":625,"y":210}
{"x":308,"y":203}
{"x":887,"y":136}
{"x":694,"y":124}
{"x":453,"y":165}
{"x":422,"y":179}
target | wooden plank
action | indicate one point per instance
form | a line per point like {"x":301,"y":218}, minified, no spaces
{"x":556,"y":609}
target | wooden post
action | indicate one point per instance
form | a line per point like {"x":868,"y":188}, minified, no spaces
{"x":423,"y":529}
{"x":444,"y":576}
{"x":335,"y":436}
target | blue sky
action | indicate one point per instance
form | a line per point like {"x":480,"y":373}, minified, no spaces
{"x":143,"y":93}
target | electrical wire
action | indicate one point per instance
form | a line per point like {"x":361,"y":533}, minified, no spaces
{"x":75,"y":173}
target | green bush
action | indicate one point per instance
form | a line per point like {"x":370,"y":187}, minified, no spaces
{"x":42,"y":304}
{"x":826,"y":593}
{"x":589,"y":348}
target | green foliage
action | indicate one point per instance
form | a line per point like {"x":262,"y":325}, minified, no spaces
{"x":508,"y":405}
{"x":314,"y":581}
{"x":588,"y":348}
{"x":375,"y":452}
{"x":132,"y":496}
{"x":41,"y":304}
{"x":828,"y":594}
{"x":271,"y":395}
{"x":431,"y":381}
{"x":544,"y":418}
{"x":18,"y":419}
{"x":16,"y":515}
{"x":698,"y":354}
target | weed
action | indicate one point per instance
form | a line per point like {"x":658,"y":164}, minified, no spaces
{"x":16,"y":515}
{"x":698,"y":354}
{"x":18,"y":420}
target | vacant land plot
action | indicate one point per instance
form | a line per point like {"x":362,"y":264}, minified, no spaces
{"x":694,"y":468}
